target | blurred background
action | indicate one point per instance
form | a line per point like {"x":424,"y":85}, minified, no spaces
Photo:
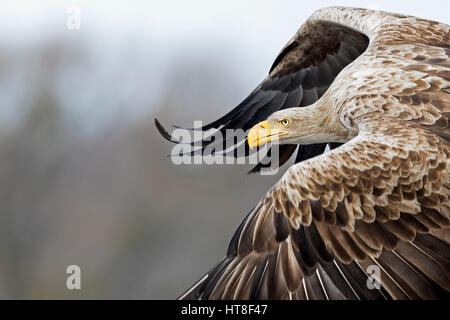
{"x":84,"y":175}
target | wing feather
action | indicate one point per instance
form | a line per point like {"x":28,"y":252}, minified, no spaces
{"x":300,"y":252}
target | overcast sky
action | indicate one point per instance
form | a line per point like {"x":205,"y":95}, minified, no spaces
{"x":195,"y":18}
{"x":137,"y":36}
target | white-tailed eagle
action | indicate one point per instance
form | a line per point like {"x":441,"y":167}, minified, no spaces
{"x":375,"y":86}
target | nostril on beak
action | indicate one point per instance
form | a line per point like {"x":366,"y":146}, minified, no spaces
{"x":263,"y":125}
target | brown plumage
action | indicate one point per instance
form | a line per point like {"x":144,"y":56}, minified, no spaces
{"x":381,"y":198}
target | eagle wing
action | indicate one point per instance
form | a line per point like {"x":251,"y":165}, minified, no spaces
{"x":372,"y":201}
{"x":299,"y":76}
{"x":379,"y":201}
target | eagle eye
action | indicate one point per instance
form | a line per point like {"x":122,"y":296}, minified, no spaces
{"x":285,"y":122}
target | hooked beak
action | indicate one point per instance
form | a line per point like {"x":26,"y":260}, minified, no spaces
{"x":261,"y":133}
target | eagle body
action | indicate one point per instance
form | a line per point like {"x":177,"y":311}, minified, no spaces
{"x":375,"y":87}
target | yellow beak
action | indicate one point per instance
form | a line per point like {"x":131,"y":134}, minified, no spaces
{"x":261,"y":133}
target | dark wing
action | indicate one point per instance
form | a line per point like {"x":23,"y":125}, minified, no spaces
{"x":300,"y":75}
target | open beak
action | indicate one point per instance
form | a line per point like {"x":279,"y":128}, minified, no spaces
{"x":261,"y":133}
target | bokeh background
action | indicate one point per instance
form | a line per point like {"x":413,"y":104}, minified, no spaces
{"x":84,"y":176}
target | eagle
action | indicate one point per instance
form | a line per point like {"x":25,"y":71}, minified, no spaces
{"x":374,"y":87}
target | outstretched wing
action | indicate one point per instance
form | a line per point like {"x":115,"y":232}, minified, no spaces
{"x":300,"y":75}
{"x":316,"y":233}
{"x":378,"y":202}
